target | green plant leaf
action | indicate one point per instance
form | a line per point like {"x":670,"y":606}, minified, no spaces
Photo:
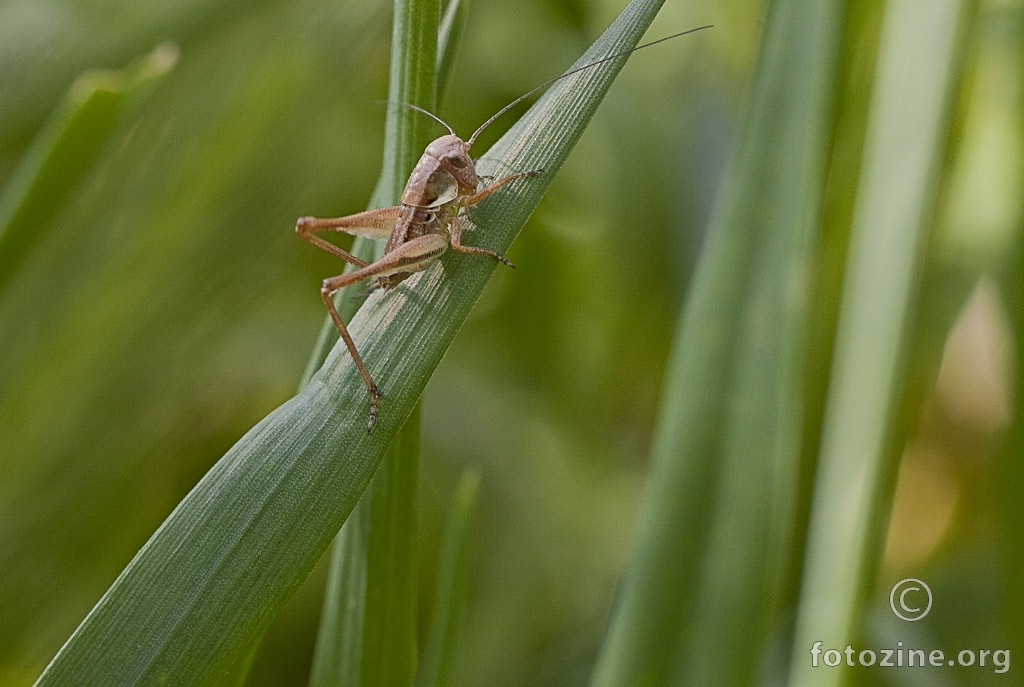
{"x":339,"y":640}
{"x":903,"y":157}
{"x":434,"y":670}
{"x":406,"y":133}
{"x":449,"y":40}
{"x":389,"y":622}
{"x":190,"y":606}
{"x":389,"y":619}
{"x":63,"y":151}
{"x":697,"y":603}
{"x":361,"y":631}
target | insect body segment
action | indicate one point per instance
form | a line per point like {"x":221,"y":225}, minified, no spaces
{"x":418,"y":232}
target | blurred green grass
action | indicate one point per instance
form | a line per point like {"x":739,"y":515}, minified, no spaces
{"x":169,"y":306}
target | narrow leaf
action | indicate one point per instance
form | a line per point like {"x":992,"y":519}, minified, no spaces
{"x":449,"y":40}
{"x":698,"y":600}
{"x":389,"y":623}
{"x":65,"y":148}
{"x":191,"y":605}
{"x":339,"y":641}
{"x":379,"y":575}
{"x":434,"y":670}
{"x":902,"y":159}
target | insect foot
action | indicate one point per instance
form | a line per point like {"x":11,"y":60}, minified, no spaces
{"x":375,"y":393}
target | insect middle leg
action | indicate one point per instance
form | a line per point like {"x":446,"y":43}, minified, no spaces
{"x":411,"y":256}
{"x":456,"y":235}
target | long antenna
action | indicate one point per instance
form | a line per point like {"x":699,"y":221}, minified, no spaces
{"x":547,"y":83}
{"x":431,"y":115}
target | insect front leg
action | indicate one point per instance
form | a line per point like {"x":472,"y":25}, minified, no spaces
{"x":491,"y":188}
{"x":456,"y":224}
{"x":411,"y":256}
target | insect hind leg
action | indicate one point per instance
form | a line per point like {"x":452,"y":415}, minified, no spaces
{"x":330,"y":286}
{"x":411,"y":256}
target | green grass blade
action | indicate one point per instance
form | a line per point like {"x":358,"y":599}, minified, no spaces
{"x":379,"y":576}
{"x":413,"y":75}
{"x":434,"y":669}
{"x":389,"y":624}
{"x":389,"y":620}
{"x":696,"y":605}
{"x":406,"y":134}
{"x":339,"y":641}
{"x":65,"y":148}
{"x":190,"y":606}
{"x":911,"y":108}
{"x":449,"y":40}
{"x":369,"y":608}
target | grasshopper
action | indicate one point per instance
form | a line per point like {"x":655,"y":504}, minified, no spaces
{"x":426,"y":223}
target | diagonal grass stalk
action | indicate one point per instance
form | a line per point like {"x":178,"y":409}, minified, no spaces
{"x":903,"y":156}
{"x":698,"y":601}
{"x":190,"y":606}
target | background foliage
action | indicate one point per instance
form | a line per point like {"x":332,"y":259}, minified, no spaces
{"x":165,"y":306}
